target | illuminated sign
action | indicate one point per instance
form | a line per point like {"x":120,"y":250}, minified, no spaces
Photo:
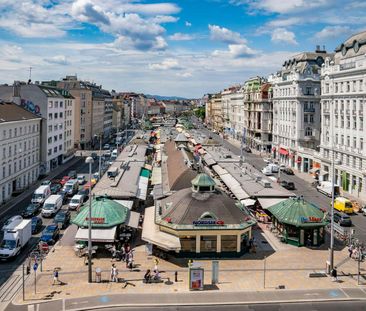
{"x":96,"y":220}
{"x":208,"y":222}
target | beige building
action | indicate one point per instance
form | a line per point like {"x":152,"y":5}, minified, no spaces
{"x":217,"y":119}
{"x":258,"y":114}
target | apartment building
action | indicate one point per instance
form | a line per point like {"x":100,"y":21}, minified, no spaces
{"x":217,"y":119}
{"x":258,"y":114}
{"x":343,"y":130}
{"x":232,"y":111}
{"x":296,"y":110}
{"x":48,"y":103}
{"x":20,"y":134}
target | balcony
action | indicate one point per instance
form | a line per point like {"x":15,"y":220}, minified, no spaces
{"x":309,"y":109}
{"x":360,"y":112}
{"x":326,"y":111}
{"x":347,"y":112}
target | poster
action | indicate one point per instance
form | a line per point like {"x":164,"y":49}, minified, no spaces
{"x":196,"y":279}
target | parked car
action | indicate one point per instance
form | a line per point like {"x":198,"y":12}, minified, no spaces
{"x":283,"y":183}
{"x":72,"y":174}
{"x":267,"y":171}
{"x":342,"y":219}
{"x":62,"y":219}
{"x":84,"y":193}
{"x":94,"y":156}
{"x":106,"y":147}
{"x":247,"y":149}
{"x":37,"y":224}
{"x":55,"y":188}
{"x":288,"y":171}
{"x":363,"y":210}
{"x":290,"y":186}
{"x":282,"y":167}
{"x":64,"y":180}
{"x":81,"y":179}
{"x":46,"y":182}
{"x":76,"y":202}
{"x":50,"y":234}
{"x":71,"y":187}
{"x":267,"y":160}
{"x":31,"y":210}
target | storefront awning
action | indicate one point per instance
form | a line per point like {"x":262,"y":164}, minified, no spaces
{"x":268,"y":202}
{"x":133,"y":220}
{"x":283,"y":151}
{"x":152,"y":234}
{"x":247,"y":202}
{"x":98,"y":235}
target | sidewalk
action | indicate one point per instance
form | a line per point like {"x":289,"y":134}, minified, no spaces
{"x":8,"y":205}
{"x":262,"y":271}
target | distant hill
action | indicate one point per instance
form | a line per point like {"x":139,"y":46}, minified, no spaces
{"x":158,"y":97}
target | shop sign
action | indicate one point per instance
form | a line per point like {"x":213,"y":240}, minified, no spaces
{"x":209,"y":222}
{"x":311,"y":219}
{"x":96,"y":220}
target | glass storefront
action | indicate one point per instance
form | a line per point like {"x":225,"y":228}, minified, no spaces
{"x":208,"y":243}
{"x":188,"y":244}
{"x":228,"y":243}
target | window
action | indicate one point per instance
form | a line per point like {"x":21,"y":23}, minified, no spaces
{"x":4,"y":172}
{"x":348,"y":122}
{"x":9,"y":151}
{"x":59,"y":147}
{"x":56,"y":115}
{"x":354,"y":123}
{"x":60,"y":136}
{"x":21,"y":131}
{"x":336,"y":138}
{"x":55,"y":149}
{"x":33,"y":128}
{"x":342,"y":140}
{"x":49,"y":151}
{"x":50,"y":104}
{"x":308,"y":90}
{"x":49,"y":140}
{"x":10,"y":133}
{"x":354,"y":142}
{"x":15,"y":132}
{"x":61,"y":104}
{"x":55,"y":138}
{"x":361,"y":123}
{"x":360,"y":164}
{"x":50,"y":116}
{"x":354,"y":162}
{"x":311,"y":118}
{"x":348,"y":141}
{"x":25,"y":146}
{"x":309,"y":131}
{"x":56,"y":104}
{"x":306,"y":118}
{"x":55,"y":127}
{"x":361,"y":143}
{"x":49,"y":128}
{"x":342,"y":122}
{"x":61,"y":115}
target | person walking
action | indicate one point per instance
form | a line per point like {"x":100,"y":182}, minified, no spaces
{"x":55,"y":277}
{"x":334,"y":275}
{"x":114,"y":273}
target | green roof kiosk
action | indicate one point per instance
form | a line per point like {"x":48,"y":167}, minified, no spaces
{"x":298,"y":222}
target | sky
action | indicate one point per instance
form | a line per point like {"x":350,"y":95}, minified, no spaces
{"x":180,"y":48}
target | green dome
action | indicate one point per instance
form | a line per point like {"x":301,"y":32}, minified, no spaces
{"x":203,"y":180}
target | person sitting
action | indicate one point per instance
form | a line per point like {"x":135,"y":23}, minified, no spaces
{"x":147,"y":276}
{"x":156,"y":275}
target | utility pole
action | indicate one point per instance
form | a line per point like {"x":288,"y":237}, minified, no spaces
{"x":100,"y":155}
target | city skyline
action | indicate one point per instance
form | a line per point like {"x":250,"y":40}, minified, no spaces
{"x":170,"y":48}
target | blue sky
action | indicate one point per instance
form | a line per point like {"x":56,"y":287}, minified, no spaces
{"x":184,"y":48}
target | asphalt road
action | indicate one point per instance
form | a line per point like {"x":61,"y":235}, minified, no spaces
{"x":302,"y":187}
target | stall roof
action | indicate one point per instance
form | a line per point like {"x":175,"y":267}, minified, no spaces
{"x":208,"y":159}
{"x":152,"y":234}
{"x":248,"y":202}
{"x":219,"y":170}
{"x":126,"y":203}
{"x":268,"y":202}
{"x":156,"y":177}
{"x":299,"y":213}
{"x":98,"y":235}
{"x":133,"y":220}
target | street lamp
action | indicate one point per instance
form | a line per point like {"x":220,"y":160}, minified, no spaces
{"x":90,"y":161}
{"x":100,"y":152}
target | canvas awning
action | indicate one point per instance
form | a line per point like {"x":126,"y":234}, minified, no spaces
{"x":219,"y":170}
{"x":152,"y":234}
{"x":133,"y":220}
{"x":248,"y":202}
{"x":268,"y":202}
{"x":142,"y":184}
{"x":239,"y":193}
{"x":98,"y":235}
{"x":283,"y":151}
{"x":156,"y":177}
{"x":208,"y":159}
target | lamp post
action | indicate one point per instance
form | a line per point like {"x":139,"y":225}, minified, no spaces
{"x":90,"y":161}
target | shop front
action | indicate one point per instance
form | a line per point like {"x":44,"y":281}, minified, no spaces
{"x":298,"y":222}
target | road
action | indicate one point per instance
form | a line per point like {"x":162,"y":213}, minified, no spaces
{"x":302,"y":187}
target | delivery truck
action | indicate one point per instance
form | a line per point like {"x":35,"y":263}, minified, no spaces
{"x":325,"y":187}
{"x":15,"y":238}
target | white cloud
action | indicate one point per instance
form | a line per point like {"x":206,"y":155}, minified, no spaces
{"x":282,"y":35}
{"x":329,"y":32}
{"x":58,"y":59}
{"x":225,"y":35}
{"x":167,"y":64}
{"x":152,"y":9}
{"x":178,"y":36}
{"x":236,"y":51}
{"x":163,"y":19}
{"x":281,"y":6}
{"x":143,"y":44}
{"x":285,"y":22}
{"x":86,"y":11}
{"x":185,"y":74}
{"x":188,"y":24}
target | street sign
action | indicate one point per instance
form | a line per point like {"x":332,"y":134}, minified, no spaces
{"x":35,"y":266}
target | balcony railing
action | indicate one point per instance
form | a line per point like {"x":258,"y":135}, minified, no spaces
{"x":309,"y":109}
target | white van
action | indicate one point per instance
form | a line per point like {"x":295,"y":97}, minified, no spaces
{"x":41,"y":194}
{"x":267,"y":171}
{"x":71,"y":187}
{"x":274,"y":167}
{"x":12,"y":222}
{"x":76,"y":202}
{"x":114,"y":155}
{"x":52,"y":205}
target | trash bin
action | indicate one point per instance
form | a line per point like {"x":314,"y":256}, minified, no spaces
{"x":98,"y":275}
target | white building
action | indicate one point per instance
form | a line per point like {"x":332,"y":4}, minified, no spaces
{"x":232,"y":111}
{"x":48,"y":103}
{"x":296,"y":110}
{"x":69,"y":139}
{"x":19,"y":149}
{"x":343,"y":128}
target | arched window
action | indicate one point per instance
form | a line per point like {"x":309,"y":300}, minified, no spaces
{"x":309,"y":131}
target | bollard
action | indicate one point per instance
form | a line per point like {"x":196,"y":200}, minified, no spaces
{"x":176,"y":276}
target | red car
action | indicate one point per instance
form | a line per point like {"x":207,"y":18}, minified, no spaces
{"x":64,"y":180}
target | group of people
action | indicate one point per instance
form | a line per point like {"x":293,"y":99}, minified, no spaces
{"x":356,"y":252}
{"x":155,"y":277}
{"x":124,"y":254}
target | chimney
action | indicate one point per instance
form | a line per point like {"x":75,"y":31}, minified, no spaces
{"x":16,"y":92}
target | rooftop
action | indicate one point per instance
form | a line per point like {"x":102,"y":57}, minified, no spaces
{"x":10,"y":112}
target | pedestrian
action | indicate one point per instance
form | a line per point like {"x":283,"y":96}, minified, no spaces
{"x":147,"y":276}
{"x":114,"y":273}
{"x":350,"y":251}
{"x":55,"y":277}
{"x":334,"y":275}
